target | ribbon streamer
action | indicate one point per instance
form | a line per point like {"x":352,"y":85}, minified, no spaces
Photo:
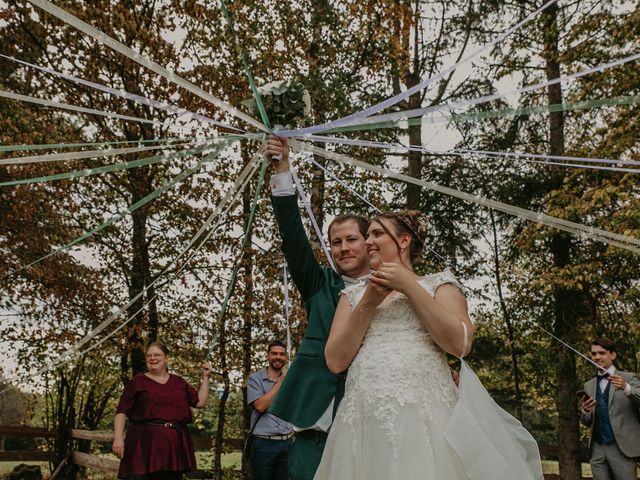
{"x":240,"y":52}
{"x":588,"y":167}
{"x":108,"y":168}
{"x":622,"y":241}
{"x":344,"y":184}
{"x":140,"y":203}
{"x":461,"y":152}
{"x":328,"y":172}
{"x":142,"y":60}
{"x":73,"y":108}
{"x":398,"y":98}
{"x":221,"y":210}
{"x":230,"y":197}
{"x":236,"y":269}
{"x":124,"y":94}
{"x":406,"y":114}
{"x":83,"y":155}
{"x":285,"y":284}
{"x":573,"y":349}
{"x":484,"y":115}
{"x":544,"y":157}
{"x":56,"y":146}
{"x":312,"y":217}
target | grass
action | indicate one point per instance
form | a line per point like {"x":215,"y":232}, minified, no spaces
{"x":7,"y":467}
{"x":551,"y":467}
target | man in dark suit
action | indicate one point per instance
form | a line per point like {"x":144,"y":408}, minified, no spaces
{"x":310,"y":393}
{"x":611,"y":407}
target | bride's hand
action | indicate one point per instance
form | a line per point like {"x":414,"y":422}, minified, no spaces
{"x":374,"y":294}
{"x":393,"y":276}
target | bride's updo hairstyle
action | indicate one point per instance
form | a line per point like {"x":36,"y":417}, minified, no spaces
{"x":411,"y":222}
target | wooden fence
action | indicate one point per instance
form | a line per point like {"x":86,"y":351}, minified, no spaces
{"x":104,"y":464}
{"x":110,"y":465}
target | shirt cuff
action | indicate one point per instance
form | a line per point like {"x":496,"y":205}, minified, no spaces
{"x":282,"y":185}
{"x":627,"y":390}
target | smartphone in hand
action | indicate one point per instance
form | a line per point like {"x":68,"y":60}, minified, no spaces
{"x":582,"y":395}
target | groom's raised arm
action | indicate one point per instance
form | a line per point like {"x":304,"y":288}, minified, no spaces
{"x":305,"y":270}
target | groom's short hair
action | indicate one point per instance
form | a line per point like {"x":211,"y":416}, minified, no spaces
{"x":606,"y":343}
{"x":362,"y":222}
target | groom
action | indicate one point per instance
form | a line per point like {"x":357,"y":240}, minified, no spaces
{"x":611,"y":408}
{"x":309,"y":395}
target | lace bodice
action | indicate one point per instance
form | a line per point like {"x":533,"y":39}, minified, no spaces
{"x":398,"y":364}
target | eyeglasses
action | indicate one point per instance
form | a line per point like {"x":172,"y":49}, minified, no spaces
{"x":155,"y":355}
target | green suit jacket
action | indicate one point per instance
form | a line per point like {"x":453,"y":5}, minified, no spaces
{"x":309,"y":386}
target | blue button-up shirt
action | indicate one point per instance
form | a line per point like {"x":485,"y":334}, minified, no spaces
{"x":260,"y":384}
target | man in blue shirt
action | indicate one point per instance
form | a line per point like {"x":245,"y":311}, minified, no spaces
{"x":273,"y":436}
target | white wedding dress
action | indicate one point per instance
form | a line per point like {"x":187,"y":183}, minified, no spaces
{"x":402,"y":417}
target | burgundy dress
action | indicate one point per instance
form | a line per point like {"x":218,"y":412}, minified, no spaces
{"x":151,"y":448}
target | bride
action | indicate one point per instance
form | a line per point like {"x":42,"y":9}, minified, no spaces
{"x":402,"y":416}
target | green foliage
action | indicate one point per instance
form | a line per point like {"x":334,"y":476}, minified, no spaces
{"x":287,"y":103}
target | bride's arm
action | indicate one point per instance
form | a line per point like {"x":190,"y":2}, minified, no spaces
{"x":443,"y":316}
{"x":349,"y":327}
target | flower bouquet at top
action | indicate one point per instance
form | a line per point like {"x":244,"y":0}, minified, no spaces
{"x":286,"y":102}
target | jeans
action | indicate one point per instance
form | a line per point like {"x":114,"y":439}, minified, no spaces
{"x":269,"y":459}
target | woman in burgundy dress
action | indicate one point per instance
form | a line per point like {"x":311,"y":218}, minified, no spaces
{"x":157,"y":403}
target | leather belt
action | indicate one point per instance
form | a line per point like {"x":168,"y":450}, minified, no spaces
{"x":175,"y":425}
{"x":275,"y":437}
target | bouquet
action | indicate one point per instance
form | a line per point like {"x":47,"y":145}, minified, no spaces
{"x":286,"y":102}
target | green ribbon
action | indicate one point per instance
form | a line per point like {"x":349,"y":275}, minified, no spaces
{"x":140,"y":203}
{"x":240,"y":52}
{"x":169,"y":141}
{"x":55,"y":146}
{"x":107,"y":168}
{"x":234,"y":276}
{"x":477,"y":116}
{"x":119,"y":166}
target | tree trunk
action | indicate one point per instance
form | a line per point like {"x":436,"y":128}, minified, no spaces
{"x":64,"y":415}
{"x":140,"y":185}
{"x":507,"y":319}
{"x":565,"y":301}
{"x":409,"y":72}
{"x":414,"y":165}
{"x":316,"y":87}
{"x":219,"y":436}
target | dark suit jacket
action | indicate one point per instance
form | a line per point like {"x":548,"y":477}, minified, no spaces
{"x":624,"y":413}
{"x":309,"y":386}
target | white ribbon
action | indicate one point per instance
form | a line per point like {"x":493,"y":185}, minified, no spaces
{"x":344,"y":184}
{"x":296,"y":147}
{"x":73,"y":108}
{"x":124,"y":94}
{"x":588,"y":167}
{"x":68,"y":156}
{"x":398,"y":98}
{"x":460,"y":152}
{"x":622,"y":241}
{"x":223,"y":206}
{"x":285,"y":284}
{"x":545,"y":157}
{"x":312,"y":217}
{"x":142,"y":60}
{"x":406,"y":114}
